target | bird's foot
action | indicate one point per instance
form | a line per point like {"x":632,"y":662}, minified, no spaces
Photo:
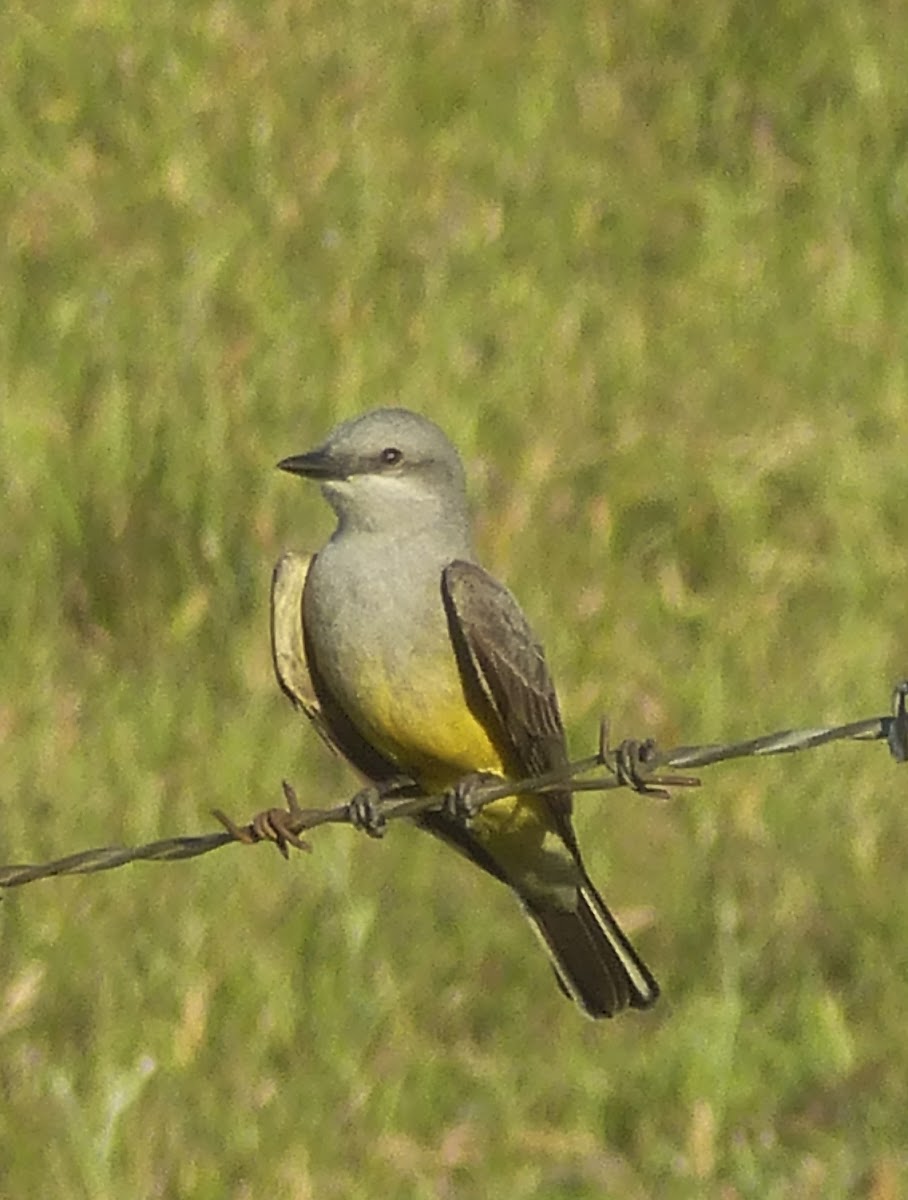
{"x":464,"y":800}
{"x":365,"y":812}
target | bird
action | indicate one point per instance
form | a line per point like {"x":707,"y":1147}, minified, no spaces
{"x":418,"y":665}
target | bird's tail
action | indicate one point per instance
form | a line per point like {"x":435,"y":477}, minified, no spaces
{"x":595,"y":963}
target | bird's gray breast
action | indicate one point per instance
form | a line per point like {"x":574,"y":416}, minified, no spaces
{"x":376,"y":621}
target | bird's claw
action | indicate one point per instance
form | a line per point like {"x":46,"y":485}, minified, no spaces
{"x":365,"y":812}
{"x":461,"y":802}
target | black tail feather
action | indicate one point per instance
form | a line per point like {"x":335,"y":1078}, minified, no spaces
{"x":595,"y":963}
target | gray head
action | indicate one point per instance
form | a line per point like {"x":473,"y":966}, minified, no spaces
{"x":390,"y":470}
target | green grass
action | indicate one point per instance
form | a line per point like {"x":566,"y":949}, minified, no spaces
{"x":648,"y":267}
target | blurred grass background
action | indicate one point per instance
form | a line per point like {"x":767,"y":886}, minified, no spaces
{"x":647,"y":266}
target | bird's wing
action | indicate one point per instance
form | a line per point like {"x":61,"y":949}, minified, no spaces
{"x":504,"y":669}
{"x":288,"y":648}
{"x":297,"y":675}
{"x":502,"y":662}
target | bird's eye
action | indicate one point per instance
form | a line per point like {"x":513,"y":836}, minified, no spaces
{"x":390,"y":456}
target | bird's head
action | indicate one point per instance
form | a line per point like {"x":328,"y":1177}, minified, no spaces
{"x":390,"y":470}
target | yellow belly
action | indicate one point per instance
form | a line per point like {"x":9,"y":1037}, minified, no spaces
{"x":436,"y":739}
{"x":429,"y":731}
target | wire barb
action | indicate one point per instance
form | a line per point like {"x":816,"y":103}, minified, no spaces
{"x":631,"y":765}
{"x":275,"y":825}
{"x":635,"y":764}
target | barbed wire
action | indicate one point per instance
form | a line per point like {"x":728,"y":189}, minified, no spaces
{"x":639,"y":765}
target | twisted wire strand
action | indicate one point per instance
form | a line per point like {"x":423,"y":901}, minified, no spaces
{"x":638,"y":765}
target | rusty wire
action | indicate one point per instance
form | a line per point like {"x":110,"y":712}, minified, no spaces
{"x":638,"y":765}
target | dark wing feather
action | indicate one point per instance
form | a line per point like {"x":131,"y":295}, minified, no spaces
{"x":503,"y":667}
{"x":504,"y":670}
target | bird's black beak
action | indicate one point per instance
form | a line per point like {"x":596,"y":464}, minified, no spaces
{"x":317,"y":464}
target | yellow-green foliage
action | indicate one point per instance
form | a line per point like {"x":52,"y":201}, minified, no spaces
{"x":647,"y":265}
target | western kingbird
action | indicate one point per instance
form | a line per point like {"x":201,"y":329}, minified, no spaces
{"x":415,"y":662}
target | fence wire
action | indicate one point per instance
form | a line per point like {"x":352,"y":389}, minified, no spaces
{"x":637,"y":765}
